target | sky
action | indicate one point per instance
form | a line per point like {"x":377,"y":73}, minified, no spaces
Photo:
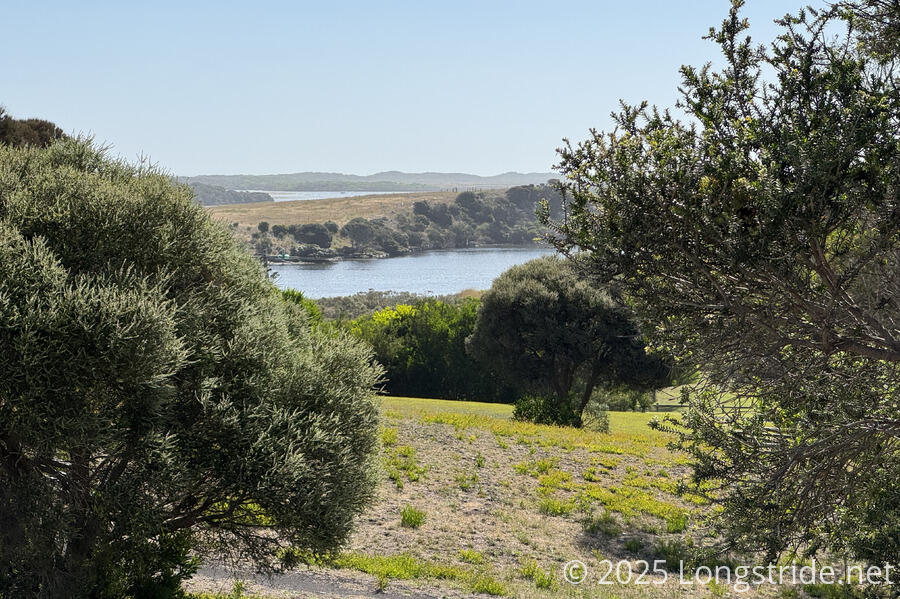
{"x":219,"y":87}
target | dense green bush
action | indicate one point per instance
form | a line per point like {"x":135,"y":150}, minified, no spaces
{"x":422,"y":348}
{"x":542,"y":409}
{"x":155,"y":389}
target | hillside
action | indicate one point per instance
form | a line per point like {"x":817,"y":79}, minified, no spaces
{"x":383,"y":181}
{"x":338,"y":210}
{"x":214,"y":195}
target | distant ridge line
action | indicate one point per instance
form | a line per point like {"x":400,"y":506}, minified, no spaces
{"x":382,"y":181}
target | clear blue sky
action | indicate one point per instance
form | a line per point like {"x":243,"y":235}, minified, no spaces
{"x":353,"y":87}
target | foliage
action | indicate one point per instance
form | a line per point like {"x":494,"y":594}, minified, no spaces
{"x":480,"y":218}
{"x":19,"y":133}
{"x":212,"y":195}
{"x":547,"y":331}
{"x":406,"y":567}
{"x":314,"y":233}
{"x":401,"y":463}
{"x":530,"y":570}
{"x":364,"y":303}
{"x":422,"y":349}
{"x":470,"y":556}
{"x":542,"y":409}
{"x":411,"y":517}
{"x":311,"y":308}
{"x":762,"y":237}
{"x":603,"y":523}
{"x":156,"y":390}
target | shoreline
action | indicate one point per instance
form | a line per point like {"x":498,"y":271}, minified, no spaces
{"x":273,"y":259}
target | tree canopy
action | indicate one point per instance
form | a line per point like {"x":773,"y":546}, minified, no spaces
{"x":155,"y":389}
{"x":761,"y":236}
{"x":545,"y":330}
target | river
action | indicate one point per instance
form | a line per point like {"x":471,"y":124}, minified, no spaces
{"x":438,"y":272}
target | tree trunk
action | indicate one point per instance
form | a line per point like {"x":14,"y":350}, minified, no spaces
{"x":588,"y":389}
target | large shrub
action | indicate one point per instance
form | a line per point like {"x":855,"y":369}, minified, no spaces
{"x":547,"y":332}
{"x":155,"y":390}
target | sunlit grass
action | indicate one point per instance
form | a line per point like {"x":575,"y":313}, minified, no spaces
{"x":630,"y":432}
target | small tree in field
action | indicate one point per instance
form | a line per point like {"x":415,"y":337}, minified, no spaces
{"x":156,"y":391}
{"x":547,"y":331}
{"x":763,"y":238}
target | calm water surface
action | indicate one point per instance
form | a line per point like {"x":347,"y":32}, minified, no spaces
{"x":437,"y":272}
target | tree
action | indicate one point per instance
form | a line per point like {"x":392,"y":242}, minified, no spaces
{"x":313,"y":233}
{"x":545,"y":330}
{"x":156,"y":391}
{"x":359,"y":231}
{"x":763,"y":239}
{"x":27,"y":132}
{"x":263,"y":227}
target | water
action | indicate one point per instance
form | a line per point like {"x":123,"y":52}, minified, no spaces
{"x":290,"y":196}
{"x":438,"y":272}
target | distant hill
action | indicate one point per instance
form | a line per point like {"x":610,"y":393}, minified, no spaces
{"x":384,"y":181}
{"x":214,"y":195}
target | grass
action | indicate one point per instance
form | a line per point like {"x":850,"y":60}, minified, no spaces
{"x":470,"y":556}
{"x":411,"y":517}
{"x":402,"y":466}
{"x":530,"y":570}
{"x":467,"y":480}
{"x":405,"y":566}
{"x":509,"y":503}
{"x":339,"y":210}
{"x":601,"y":524}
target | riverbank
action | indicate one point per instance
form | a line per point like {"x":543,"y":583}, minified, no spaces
{"x":320,"y":256}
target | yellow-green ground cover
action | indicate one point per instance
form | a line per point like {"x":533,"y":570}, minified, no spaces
{"x":473,"y":502}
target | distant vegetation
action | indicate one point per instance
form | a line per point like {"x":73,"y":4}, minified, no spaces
{"x":213,"y":195}
{"x":539,"y":335}
{"x":365,"y":303}
{"x":27,"y":132}
{"x":384,"y":181}
{"x":422,"y":347}
{"x":471,"y":220}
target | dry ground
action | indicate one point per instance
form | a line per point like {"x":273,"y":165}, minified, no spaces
{"x":506,"y":505}
{"x":339,"y":210}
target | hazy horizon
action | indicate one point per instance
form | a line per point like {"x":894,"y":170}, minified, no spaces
{"x":479,"y":88}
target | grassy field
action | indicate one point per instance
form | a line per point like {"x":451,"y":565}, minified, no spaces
{"x":474,"y":503}
{"x":339,"y":210}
